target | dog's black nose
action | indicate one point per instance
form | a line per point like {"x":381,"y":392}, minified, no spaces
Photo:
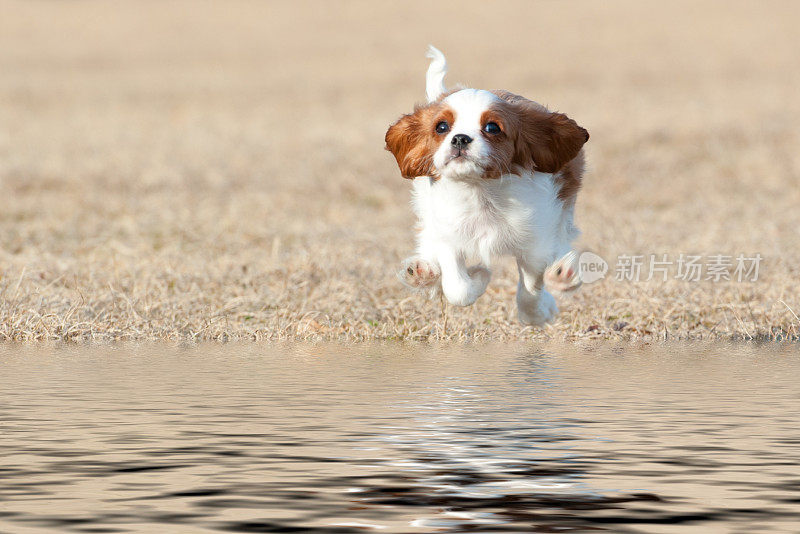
{"x":460,"y":141}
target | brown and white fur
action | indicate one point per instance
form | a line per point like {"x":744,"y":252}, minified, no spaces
{"x":493,"y":174}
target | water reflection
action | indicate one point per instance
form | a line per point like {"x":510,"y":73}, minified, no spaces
{"x":398,"y":439}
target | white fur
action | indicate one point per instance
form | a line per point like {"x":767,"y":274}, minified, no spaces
{"x":469,"y":220}
{"x":434,"y":79}
{"x":463,"y":222}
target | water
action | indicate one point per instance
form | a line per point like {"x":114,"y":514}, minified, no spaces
{"x":394,"y":438}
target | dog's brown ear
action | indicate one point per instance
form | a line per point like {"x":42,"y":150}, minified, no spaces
{"x":545,"y":141}
{"x":408,"y":140}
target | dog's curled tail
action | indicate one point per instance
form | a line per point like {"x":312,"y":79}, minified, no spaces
{"x":434,"y":79}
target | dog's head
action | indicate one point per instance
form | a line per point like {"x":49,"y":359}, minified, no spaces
{"x":476,"y":134}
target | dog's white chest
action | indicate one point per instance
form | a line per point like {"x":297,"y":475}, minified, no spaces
{"x":491,"y":218}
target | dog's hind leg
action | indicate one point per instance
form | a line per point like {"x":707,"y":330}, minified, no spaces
{"x":535,"y":306}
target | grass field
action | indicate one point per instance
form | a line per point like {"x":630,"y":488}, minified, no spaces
{"x":215,"y":170}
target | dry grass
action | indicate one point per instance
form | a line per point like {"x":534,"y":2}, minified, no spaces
{"x":174,"y":170}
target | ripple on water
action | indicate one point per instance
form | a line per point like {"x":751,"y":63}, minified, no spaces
{"x":335,"y":439}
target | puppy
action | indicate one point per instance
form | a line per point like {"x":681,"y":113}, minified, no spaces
{"x":493,"y":174}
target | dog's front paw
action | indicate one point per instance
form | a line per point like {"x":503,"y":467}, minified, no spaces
{"x":542,"y":310}
{"x":417,"y":273}
{"x":480,"y":277}
{"x":564,"y":274}
{"x":464,"y":291}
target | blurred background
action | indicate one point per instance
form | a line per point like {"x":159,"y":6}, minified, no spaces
{"x":215,"y":170}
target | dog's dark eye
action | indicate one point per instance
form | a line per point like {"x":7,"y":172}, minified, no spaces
{"x":491,"y":128}
{"x":442,"y":127}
